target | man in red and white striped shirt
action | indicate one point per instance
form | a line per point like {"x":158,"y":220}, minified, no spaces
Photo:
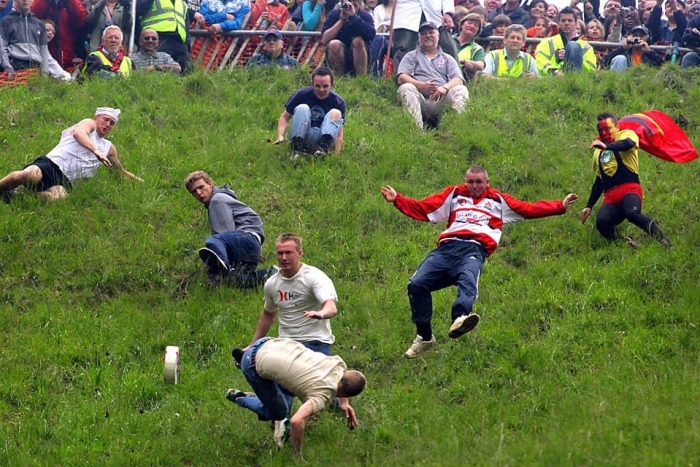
{"x":475,"y":214}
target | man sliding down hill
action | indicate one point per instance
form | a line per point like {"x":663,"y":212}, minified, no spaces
{"x":475,"y":214}
{"x":81,"y":151}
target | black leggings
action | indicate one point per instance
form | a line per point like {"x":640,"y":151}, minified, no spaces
{"x":610,"y":216}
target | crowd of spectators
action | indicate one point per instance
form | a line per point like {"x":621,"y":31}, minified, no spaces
{"x":68,"y":36}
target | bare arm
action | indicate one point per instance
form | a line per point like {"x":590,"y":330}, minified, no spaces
{"x":264,"y":324}
{"x":82,"y":132}
{"x":282,"y":126}
{"x":332,"y":32}
{"x":114,"y":161}
{"x":297,"y":423}
{"x":328,"y":311}
{"x":339,"y":142}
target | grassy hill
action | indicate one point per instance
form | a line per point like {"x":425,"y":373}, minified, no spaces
{"x":587,"y":352}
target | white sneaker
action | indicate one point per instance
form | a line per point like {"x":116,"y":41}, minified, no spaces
{"x":280,"y":432}
{"x":463,"y":325}
{"x":419,"y":346}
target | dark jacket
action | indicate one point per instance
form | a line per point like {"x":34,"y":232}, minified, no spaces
{"x":650,"y":58}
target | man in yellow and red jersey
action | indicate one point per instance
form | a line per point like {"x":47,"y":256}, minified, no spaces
{"x":616,"y":166}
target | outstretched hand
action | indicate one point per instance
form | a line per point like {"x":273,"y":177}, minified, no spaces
{"x":349,"y":414}
{"x":389,"y":194}
{"x":585,"y":212}
{"x":598,"y":144}
{"x":279,"y":140}
{"x":569,"y":200}
{"x":103,"y":159}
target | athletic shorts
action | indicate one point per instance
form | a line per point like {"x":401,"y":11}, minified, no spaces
{"x":51,"y":175}
{"x":614,"y":195}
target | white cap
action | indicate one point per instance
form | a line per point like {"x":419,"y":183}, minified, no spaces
{"x":114,"y":113}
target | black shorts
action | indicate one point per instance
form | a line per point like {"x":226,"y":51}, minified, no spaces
{"x":51,"y":175}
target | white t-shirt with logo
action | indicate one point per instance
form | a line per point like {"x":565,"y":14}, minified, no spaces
{"x":291,"y":297}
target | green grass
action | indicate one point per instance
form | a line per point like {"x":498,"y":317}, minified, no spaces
{"x":587,"y":353}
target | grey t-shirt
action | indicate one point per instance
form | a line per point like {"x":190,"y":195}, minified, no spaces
{"x":441,"y":68}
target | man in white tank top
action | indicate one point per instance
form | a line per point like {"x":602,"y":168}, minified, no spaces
{"x":81,"y":151}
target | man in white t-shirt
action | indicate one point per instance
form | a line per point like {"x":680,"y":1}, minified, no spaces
{"x":270,"y":364}
{"x":302,"y":297}
{"x":82,"y":150}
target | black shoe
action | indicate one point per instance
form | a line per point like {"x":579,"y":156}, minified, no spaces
{"x":320,"y":153}
{"x":298,"y":144}
{"x":233,"y":394}
{"x":237,"y":355}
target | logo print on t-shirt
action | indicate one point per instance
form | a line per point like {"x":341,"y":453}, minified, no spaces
{"x":605,"y":156}
{"x":317,"y":114}
{"x":285,"y":296}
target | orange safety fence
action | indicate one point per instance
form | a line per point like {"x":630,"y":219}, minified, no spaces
{"x":21,"y":77}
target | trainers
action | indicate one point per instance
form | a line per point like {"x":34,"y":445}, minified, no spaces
{"x":463,"y":325}
{"x":631,"y":243}
{"x":419,"y":346}
{"x":280,"y":432}
{"x":233,"y":394}
{"x":215,"y":264}
{"x":666,"y":243}
{"x":320,"y":153}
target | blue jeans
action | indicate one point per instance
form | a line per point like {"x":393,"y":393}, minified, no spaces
{"x":301,"y":127}
{"x":619,"y":64}
{"x":451,"y":263}
{"x":240,"y":250}
{"x":690,"y":60}
{"x":269,"y":403}
{"x":573,"y":57}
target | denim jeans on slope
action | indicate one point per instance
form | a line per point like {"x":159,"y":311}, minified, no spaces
{"x":301,"y":127}
{"x":239,"y":250}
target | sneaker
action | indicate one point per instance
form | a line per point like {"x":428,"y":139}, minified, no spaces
{"x":631,"y":243}
{"x":419,"y":346}
{"x":233,"y":394}
{"x":280,"y":432}
{"x":666,"y":243}
{"x":463,"y":325}
{"x":320,"y":153}
{"x":215,"y":264}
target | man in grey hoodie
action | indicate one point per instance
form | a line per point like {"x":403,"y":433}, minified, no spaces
{"x":24,"y":37}
{"x":233,"y":249}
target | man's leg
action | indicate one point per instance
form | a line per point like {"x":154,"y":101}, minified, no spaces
{"x":411,"y":99}
{"x":218,"y":264}
{"x":268,"y":403}
{"x":53,"y":193}
{"x":619,"y":64}
{"x":301,"y":123}
{"x":404,"y":42}
{"x":330,"y":128}
{"x":336,"y":57}
{"x":632,"y":210}
{"x":691,"y":59}
{"x":457,"y":97}
{"x":29,"y":175}
{"x":573,"y":57}
{"x":447,"y":43}
{"x":607,"y":220}
{"x":360,"y":56}
{"x":243,"y":254}
{"x":468,"y":260}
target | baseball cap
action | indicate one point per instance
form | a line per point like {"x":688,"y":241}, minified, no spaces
{"x":641,"y":29}
{"x":273,"y":32}
{"x":427,"y":24}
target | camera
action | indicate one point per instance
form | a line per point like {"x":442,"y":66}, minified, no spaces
{"x":345,"y":6}
{"x":635,"y":41}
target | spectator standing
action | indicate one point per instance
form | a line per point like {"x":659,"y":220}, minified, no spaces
{"x":270,"y":13}
{"x":82,"y":150}
{"x":633,"y":51}
{"x":538,"y":9}
{"x":69,"y":16}
{"x":382,"y":15}
{"x":311,"y":11}
{"x":318,"y":117}
{"x":511,"y":61}
{"x":169,"y":18}
{"x":347,"y":33}
{"x":411,"y":14}
{"x":232,"y":251}
{"x":25,"y":42}
{"x":109,"y":60}
{"x":616,"y":167}
{"x":5,"y":64}
{"x":430,"y":80}
{"x":512,"y":9}
{"x":595,"y":31}
{"x":107,"y":13}
{"x":273,"y":52}
{"x":149,"y":59}
{"x":565,"y":51}
{"x":475,"y":214}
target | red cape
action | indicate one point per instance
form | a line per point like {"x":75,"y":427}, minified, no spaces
{"x":660,"y":136}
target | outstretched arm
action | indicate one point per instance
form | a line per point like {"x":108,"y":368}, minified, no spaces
{"x":389,"y":194}
{"x":282,"y":126}
{"x":298,"y":423}
{"x":116,"y":163}
{"x":328,"y":311}
{"x":264,"y":324}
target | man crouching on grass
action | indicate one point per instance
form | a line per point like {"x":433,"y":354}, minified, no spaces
{"x":313,"y":377}
{"x":81,"y":151}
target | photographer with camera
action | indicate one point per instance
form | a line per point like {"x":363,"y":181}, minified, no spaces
{"x":634,"y":50}
{"x":347,"y":32}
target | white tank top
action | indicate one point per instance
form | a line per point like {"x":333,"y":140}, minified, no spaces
{"x":74,"y":160}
